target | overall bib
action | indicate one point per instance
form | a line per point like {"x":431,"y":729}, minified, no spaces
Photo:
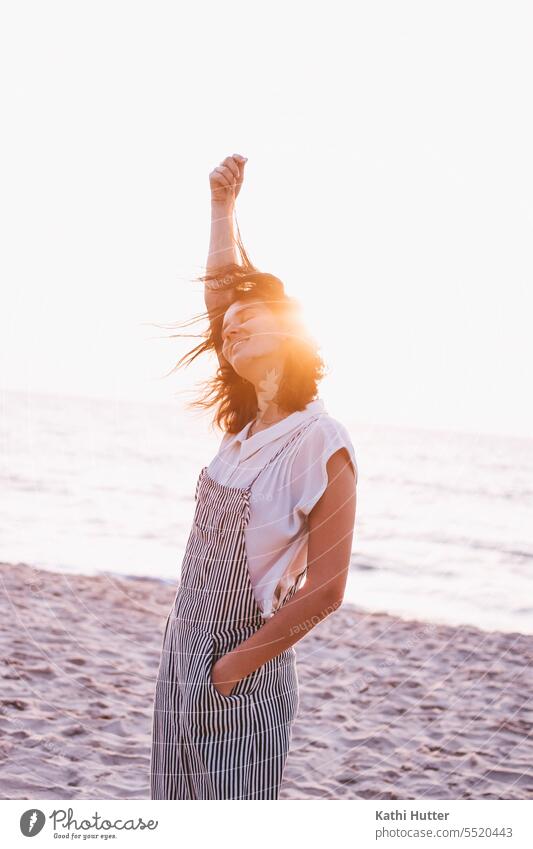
{"x":206,"y":745}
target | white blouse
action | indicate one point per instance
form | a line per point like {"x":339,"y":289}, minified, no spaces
{"x":282,"y":496}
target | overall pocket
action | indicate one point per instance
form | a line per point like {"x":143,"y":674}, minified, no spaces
{"x":245,"y":687}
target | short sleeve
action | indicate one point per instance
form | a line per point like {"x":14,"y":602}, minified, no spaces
{"x":309,"y":474}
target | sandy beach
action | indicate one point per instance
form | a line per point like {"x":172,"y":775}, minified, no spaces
{"x":389,"y":708}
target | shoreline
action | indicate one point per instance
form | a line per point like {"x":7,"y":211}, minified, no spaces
{"x":358,"y":609}
{"x":390,"y":707}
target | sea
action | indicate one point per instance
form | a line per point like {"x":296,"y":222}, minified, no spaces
{"x":444,"y":520}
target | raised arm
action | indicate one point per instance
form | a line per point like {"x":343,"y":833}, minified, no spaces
{"x":225,"y":182}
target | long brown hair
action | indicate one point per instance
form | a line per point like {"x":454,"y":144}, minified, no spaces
{"x":234,"y":398}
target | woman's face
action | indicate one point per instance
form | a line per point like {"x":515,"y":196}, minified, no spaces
{"x":250,"y":331}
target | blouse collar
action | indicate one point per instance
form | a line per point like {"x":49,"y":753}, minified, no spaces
{"x":269,"y":434}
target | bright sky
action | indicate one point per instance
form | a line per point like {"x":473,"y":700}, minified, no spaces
{"x":389,"y":184}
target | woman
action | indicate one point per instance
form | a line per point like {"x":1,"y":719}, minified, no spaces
{"x":275,"y":506}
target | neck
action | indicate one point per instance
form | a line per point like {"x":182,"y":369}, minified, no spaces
{"x":268,"y":415}
{"x":270,"y":412}
{"x":265,"y":374}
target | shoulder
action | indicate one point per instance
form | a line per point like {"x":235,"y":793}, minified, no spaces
{"x":309,"y":472}
{"x":226,"y":438}
{"x":226,"y":441}
{"x":323,"y":438}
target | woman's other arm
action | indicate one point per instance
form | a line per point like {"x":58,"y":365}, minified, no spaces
{"x":225,"y":182}
{"x":331,"y":526}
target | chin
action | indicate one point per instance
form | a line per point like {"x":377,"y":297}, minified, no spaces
{"x":242,"y":366}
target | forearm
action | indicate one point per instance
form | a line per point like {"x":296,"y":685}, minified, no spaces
{"x":221,"y":253}
{"x":222,"y":248}
{"x":309,"y":606}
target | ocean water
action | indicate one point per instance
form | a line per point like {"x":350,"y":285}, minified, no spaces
{"x":444,"y":526}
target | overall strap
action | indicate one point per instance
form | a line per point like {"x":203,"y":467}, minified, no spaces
{"x":283,"y":447}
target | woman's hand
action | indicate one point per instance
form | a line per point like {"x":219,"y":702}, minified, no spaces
{"x":221,"y":677}
{"x":226,"y":179}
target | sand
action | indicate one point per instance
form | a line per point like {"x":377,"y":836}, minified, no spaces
{"x":389,"y":708}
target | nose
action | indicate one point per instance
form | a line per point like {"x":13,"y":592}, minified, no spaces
{"x":231,"y":331}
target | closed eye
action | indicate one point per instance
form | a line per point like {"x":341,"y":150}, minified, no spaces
{"x":245,"y":313}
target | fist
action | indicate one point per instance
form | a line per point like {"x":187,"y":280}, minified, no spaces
{"x":226,"y":179}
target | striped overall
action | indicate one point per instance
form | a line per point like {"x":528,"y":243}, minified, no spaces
{"x":206,"y":745}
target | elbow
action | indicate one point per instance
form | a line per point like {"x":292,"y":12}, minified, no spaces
{"x":334,"y":591}
{"x":334,"y":603}
{"x":331,"y":600}
{"x":328,"y":596}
